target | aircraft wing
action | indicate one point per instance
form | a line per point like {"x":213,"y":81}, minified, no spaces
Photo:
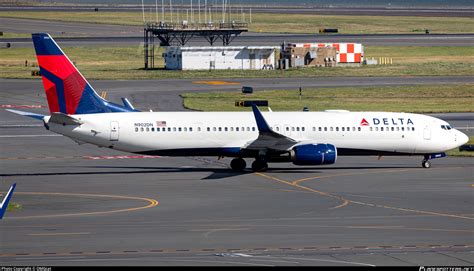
{"x":267,"y":138}
{"x":6,"y":200}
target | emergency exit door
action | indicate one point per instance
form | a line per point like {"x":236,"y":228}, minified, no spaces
{"x":427,"y":133}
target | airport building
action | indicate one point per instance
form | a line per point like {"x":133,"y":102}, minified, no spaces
{"x":323,"y":54}
{"x":219,"y":58}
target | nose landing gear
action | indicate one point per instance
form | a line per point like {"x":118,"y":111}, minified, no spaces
{"x":426,"y":163}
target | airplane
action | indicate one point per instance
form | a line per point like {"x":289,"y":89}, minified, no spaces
{"x":6,"y":200}
{"x":303,"y":138}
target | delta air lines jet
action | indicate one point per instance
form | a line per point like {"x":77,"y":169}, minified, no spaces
{"x":303,"y":138}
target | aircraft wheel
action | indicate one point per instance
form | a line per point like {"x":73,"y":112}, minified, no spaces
{"x":238,"y":164}
{"x":259,"y":166}
{"x":426,"y":164}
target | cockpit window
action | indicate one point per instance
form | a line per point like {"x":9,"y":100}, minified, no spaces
{"x":446,"y":127}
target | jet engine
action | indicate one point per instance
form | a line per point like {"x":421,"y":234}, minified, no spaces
{"x":313,"y":154}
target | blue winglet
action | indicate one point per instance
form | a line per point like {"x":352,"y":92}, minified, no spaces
{"x":261,"y":122}
{"x":6,"y":200}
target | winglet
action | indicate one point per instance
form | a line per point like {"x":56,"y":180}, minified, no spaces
{"x":128,"y":104}
{"x":262,"y":124}
{"x":6,"y":200}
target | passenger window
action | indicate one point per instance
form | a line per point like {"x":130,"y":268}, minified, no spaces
{"x":314,"y":129}
{"x":141,"y":129}
{"x":185,"y":129}
{"x":359,"y":129}
{"x":331,"y":129}
{"x":298,"y":129}
{"x":337,"y":129}
{"x":225,"y":129}
{"x":319,"y":129}
{"x":413,"y":128}
{"x":136,"y":129}
{"x":248,"y":129}
{"x":220,"y":129}
{"x":302,"y":129}
{"x":403,"y":128}
{"x":398,"y":128}
{"x":179,"y":129}
{"x":342,"y":129}
{"x":152,"y":129}
{"x":381,"y":129}
{"x":174,"y":129}
{"x":231,"y":129}
{"x":237,"y":129}
{"x":371,"y":129}
{"x":293,"y":129}
{"x":147,"y":129}
{"x":158,"y":129}
{"x":253,"y":129}
{"x":214,"y":129}
{"x":376,"y":129}
{"x":208,"y":129}
{"x":393,"y":129}
{"x":353,"y":129}
{"x":325,"y":129}
{"x":287,"y":129}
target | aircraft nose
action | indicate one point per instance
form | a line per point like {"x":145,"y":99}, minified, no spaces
{"x":462,"y":138}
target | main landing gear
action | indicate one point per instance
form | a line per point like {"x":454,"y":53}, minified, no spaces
{"x":239,"y":164}
{"x":259,"y":165}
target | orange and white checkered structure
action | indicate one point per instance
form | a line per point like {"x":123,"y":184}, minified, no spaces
{"x":346,"y":52}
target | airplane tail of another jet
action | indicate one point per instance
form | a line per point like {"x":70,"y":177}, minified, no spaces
{"x":6,"y":200}
{"x":66,"y":89}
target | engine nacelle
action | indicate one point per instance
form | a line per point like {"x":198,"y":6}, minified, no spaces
{"x":314,"y":154}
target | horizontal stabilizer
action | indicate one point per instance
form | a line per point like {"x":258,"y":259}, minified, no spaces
{"x":64,"y":119}
{"x":6,"y":200}
{"x":27,"y":114}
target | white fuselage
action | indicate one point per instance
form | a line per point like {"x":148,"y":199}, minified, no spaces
{"x":142,"y":132}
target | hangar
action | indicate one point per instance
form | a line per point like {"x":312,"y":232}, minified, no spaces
{"x":219,"y":58}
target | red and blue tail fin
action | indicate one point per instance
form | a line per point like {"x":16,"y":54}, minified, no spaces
{"x":66,"y":89}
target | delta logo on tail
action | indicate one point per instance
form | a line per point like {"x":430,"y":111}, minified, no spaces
{"x":67,"y":91}
{"x":364,"y":122}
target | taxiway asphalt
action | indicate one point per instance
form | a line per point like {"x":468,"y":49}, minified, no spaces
{"x":83,"y":205}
